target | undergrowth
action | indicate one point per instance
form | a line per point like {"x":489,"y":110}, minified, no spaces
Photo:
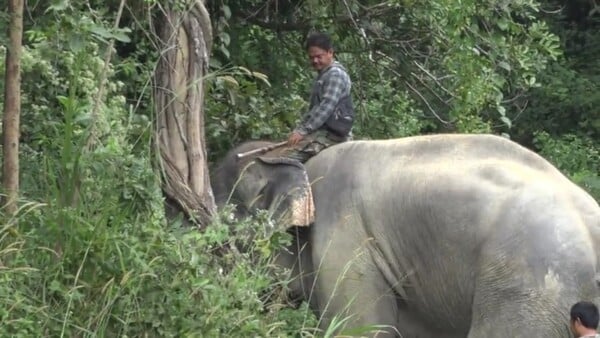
{"x":65,"y":272}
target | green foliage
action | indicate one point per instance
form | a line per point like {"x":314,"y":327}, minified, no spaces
{"x":565,"y":104}
{"x":95,"y":257}
{"x":486,"y":51}
{"x":567,"y":101}
{"x":576,"y":156}
{"x":399,"y":120}
{"x":78,"y":272}
{"x":239,"y":108}
{"x":61,"y":64}
{"x":243,"y":106}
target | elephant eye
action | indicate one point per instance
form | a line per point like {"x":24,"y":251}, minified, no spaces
{"x":262,"y":191}
{"x":260,"y":200}
{"x":268,"y":195}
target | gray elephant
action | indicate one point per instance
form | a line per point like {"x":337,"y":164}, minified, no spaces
{"x":430,"y":236}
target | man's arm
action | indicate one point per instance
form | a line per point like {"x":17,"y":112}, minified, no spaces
{"x":333,"y":85}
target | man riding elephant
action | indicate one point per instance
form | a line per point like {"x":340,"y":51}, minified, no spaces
{"x":331,"y":112}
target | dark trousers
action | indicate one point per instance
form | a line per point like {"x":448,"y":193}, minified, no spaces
{"x":313,"y":144}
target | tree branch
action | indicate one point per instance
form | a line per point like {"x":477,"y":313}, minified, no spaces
{"x":94,"y":114}
{"x":278,"y":25}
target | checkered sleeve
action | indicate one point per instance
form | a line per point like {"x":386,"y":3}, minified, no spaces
{"x":332,"y":89}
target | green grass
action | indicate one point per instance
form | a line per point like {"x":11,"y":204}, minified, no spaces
{"x":87,"y":279}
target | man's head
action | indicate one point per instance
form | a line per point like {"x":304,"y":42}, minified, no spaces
{"x":584,"y":318}
{"x":320,"y":50}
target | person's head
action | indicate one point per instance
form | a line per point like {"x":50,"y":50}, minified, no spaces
{"x":584,"y":317}
{"x":320,"y":50}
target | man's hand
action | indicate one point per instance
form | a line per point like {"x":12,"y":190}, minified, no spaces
{"x":294,"y":138}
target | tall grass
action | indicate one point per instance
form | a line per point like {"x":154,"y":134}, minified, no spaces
{"x":138,"y":280}
{"x":90,"y":254}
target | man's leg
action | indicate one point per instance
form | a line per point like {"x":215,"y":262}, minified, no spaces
{"x":310,"y":145}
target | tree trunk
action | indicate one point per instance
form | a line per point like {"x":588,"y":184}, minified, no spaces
{"x":186,"y":38}
{"x":12,"y":107}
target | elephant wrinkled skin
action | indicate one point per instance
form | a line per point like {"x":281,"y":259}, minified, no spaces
{"x":434,"y":236}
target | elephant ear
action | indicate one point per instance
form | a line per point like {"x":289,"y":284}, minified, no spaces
{"x":281,"y":160}
{"x":302,"y":207}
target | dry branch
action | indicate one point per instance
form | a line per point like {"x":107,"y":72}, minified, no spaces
{"x":101,"y":86}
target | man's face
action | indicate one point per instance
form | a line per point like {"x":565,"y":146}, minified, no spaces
{"x":320,"y":58}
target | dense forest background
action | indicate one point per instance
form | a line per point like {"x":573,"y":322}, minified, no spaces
{"x":90,"y":251}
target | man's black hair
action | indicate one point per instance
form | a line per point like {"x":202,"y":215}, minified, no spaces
{"x":320,"y":40}
{"x":587,"y":313}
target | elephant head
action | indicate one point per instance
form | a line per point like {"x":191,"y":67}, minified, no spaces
{"x":277,"y":184}
{"x":281,"y":186}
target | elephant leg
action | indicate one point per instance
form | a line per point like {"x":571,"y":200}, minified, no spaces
{"x":297,"y":259}
{"x":518,"y":321}
{"x":526,"y":285}
{"x":411,"y":325}
{"x":517,"y":307}
{"x":352,"y":295}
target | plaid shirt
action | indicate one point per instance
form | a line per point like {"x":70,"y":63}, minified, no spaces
{"x":329,"y":87}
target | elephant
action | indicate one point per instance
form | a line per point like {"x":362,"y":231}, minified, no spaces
{"x":445,"y":235}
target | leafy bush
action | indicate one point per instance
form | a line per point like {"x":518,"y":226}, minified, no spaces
{"x":385,"y":112}
{"x":90,"y":271}
{"x":576,"y":156}
{"x":241,"y":109}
